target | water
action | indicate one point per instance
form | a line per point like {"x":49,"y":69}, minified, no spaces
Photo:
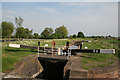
{"x":53,"y":69}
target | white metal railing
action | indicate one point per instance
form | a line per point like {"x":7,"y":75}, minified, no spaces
{"x":59,"y":51}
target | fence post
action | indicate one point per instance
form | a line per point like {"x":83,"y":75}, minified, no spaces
{"x":38,"y":48}
{"x":81,"y":45}
{"x":67,"y":45}
{"x":52,"y":51}
{"x":59,"y":52}
{"x":44,"y":49}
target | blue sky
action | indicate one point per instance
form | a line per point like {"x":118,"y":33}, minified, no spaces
{"x":60,"y":0}
{"x":92,"y":18}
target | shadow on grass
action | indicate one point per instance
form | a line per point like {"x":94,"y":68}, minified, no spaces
{"x":23,"y":50}
{"x":19,"y":50}
{"x":85,"y":56}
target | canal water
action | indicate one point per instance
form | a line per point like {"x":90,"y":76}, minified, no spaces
{"x":53,"y":69}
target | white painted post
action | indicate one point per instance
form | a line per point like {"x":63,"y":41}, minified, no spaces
{"x":58,"y":51}
{"x":65,"y":53}
{"x":86,"y":47}
{"x":70,"y":52}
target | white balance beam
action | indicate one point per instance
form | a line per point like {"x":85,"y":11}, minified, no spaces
{"x":108,"y":51}
{"x":14,"y":45}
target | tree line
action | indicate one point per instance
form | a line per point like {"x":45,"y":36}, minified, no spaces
{"x":8,"y":28}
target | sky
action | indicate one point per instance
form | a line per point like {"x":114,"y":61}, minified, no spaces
{"x":60,"y":0}
{"x":92,"y":18}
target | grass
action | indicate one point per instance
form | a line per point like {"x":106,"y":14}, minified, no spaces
{"x":59,"y":43}
{"x":12,"y":55}
{"x":8,"y":62}
{"x":97,"y":59}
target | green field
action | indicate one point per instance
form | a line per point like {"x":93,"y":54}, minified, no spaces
{"x":12,"y":55}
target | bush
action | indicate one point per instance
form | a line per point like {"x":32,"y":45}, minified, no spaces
{"x":80,"y":35}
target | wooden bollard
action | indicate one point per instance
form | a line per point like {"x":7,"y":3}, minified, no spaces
{"x":53,"y":44}
{"x":38,"y":43}
{"x":67,"y":45}
{"x":80,"y":46}
{"x":38,"y":48}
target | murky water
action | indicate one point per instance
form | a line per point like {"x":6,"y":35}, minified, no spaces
{"x":53,"y":69}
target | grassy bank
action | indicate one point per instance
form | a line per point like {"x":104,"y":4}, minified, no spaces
{"x":12,"y":55}
{"x":97,"y":59}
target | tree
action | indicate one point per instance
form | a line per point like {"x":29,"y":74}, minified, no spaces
{"x":54,"y":36}
{"x":80,"y":35}
{"x":20,"y":32}
{"x":36,"y":35}
{"x":61,"y":32}
{"x":18,"y":21}
{"x":0,"y":32}
{"x":47,"y":32}
{"x":28,"y":33}
{"x":70,"y":36}
{"x":7,"y":29}
{"x":74,"y":36}
{"x":109,"y":36}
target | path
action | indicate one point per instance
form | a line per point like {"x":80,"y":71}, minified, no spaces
{"x":26,"y":67}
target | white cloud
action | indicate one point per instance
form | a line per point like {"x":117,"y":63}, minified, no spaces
{"x":49,"y":10}
{"x":9,"y":12}
{"x":8,"y":15}
{"x":93,"y":20}
{"x":8,"y":18}
{"x":78,"y":4}
{"x":89,"y":8}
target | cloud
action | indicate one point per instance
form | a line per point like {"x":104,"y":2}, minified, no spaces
{"x":8,"y":18}
{"x":8,"y":15}
{"x":9,"y":12}
{"x":49,"y":10}
{"x":78,"y":4}
{"x":94,"y":19}
{"x":89,"y":8}
{"x":90,"y":18}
